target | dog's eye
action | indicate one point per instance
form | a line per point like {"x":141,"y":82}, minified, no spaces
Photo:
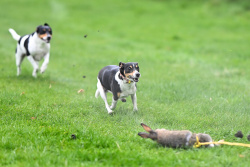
{"x":129,"y":68}
{"x":42,"y":31}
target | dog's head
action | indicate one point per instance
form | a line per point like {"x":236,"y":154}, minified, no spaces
{"x":130,"y":71}
{"x":44,"y":32}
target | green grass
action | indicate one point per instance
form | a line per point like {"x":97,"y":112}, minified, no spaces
{"x":194,"y":60}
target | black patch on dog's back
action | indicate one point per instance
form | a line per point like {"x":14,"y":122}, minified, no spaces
{"x":106,"y":76}
{"x":26,"y":42}
{"x":107,"y":79}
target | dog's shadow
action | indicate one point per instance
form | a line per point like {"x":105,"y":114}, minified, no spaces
{"x":126,"y":111}
{"x":28,"y":78}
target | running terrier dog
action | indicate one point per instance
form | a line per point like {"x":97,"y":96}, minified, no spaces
{"x":35,"y":46}
{"x":120,"y":81}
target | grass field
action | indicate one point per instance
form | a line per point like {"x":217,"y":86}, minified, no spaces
{"x":194,"y":58}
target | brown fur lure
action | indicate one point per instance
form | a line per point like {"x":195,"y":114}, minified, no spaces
{"x":174,"y":138}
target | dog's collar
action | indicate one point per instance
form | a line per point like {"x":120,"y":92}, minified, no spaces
{"x":124,"y":78}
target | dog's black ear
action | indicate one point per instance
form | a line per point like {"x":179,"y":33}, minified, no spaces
{"x":38,"y":27}
{"x":137,"y":66}
{"x":46,"y":24}
{"x":121,"y":65}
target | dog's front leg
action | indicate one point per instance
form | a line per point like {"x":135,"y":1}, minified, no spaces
{"x":114,"y":102}
{"x":134,"y":101}
{"x":45,"y":63}
{"x":34,"y":64}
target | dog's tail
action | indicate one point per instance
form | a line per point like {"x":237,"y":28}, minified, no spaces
{"x":14,"y":34}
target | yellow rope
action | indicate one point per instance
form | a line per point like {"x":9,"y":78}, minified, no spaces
{"x":198,"y":144}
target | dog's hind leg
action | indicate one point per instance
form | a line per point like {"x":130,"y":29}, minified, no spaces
{"x":97,"y":93}
{"x":104,"y":96}
{"x":19,"y":59}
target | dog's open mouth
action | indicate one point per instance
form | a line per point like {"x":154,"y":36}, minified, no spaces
{"x":45,"y":40}
{"x":136,"y":79}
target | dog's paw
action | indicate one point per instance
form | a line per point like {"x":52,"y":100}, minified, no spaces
{"x":135,"y":109}
{"x":112,"y":107}
{"x":110,"y":112}
{"x":42,"y":70}
{"x":34,"y":74}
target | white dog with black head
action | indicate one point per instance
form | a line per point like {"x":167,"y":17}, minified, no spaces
{"x":35,"y":47}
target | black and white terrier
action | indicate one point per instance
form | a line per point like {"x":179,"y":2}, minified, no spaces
{"x":120,"y":81}
{"x":35,"y":46}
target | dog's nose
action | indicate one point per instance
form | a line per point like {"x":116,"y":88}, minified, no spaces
{"x":137,"y":75}
{"x":48,"y":38}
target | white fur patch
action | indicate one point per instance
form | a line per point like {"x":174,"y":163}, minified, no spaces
{"x":38,"y":48}
{"x":126,"y":88}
